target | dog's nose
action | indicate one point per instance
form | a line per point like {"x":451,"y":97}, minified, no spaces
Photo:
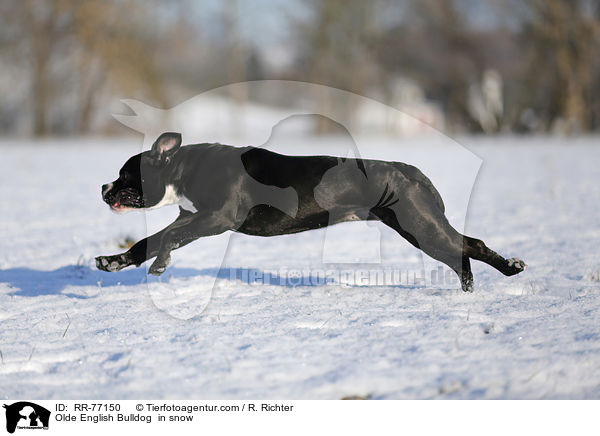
{"x":106,"y":189}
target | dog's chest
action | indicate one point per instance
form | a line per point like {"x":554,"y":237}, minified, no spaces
{"x":171,"y":197}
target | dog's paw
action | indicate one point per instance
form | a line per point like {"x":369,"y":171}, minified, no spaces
{"x":467,"y":283}
{"x":158,"y":267}
{"x":515,"y":266}
{"x":111,"y":263}
{"x":157,"y":270}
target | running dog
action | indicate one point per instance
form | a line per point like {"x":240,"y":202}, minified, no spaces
{"x":258,"y":192}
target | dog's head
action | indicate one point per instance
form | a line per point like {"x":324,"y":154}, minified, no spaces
{"x":141,"y":181}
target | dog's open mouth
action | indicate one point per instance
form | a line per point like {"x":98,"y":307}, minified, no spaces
{"x":119,"y":208}
{"x":117,"y":205}
{"x":125,"y":201}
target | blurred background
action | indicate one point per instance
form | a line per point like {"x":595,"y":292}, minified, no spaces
{"x":512,"y":85}
{"x":462,"y":66}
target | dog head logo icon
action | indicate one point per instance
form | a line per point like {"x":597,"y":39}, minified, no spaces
{"x":26,"y":415}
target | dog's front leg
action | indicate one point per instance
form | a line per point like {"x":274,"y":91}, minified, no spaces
{"x":184,"y":231}
{"x":141,"y":251}
{"x":136,"y":255}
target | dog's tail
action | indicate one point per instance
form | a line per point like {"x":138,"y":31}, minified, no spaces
{"x":416,"y":175}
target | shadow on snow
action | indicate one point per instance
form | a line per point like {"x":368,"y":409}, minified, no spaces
{"x":27,"y":282}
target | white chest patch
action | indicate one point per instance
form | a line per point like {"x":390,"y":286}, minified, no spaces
{"x":171,"y":197}
{"x":186,"y":204}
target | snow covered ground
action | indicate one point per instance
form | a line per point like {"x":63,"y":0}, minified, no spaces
{"x":68,"y":330}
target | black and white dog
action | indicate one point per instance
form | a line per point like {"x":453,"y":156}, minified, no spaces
{"x":259,"y":192}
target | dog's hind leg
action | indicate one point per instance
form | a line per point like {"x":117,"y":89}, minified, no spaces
{"x":430,"y":231}
{"x":418,"y":216}
{"x":476,"y":249}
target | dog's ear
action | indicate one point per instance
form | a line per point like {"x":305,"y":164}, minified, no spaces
{"x":165,"y":147}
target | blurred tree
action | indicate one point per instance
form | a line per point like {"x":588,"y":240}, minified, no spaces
{"x":491,"y":65}
{"x":545,"y":53}
{"x":72,"y":49}
{"x":235,"y":53}
{"x":122,"y":56}
{"x":335,"y":47}
{"x":563,"y":39}
{"x":434,"y":46}
{"x":42,"y":26}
